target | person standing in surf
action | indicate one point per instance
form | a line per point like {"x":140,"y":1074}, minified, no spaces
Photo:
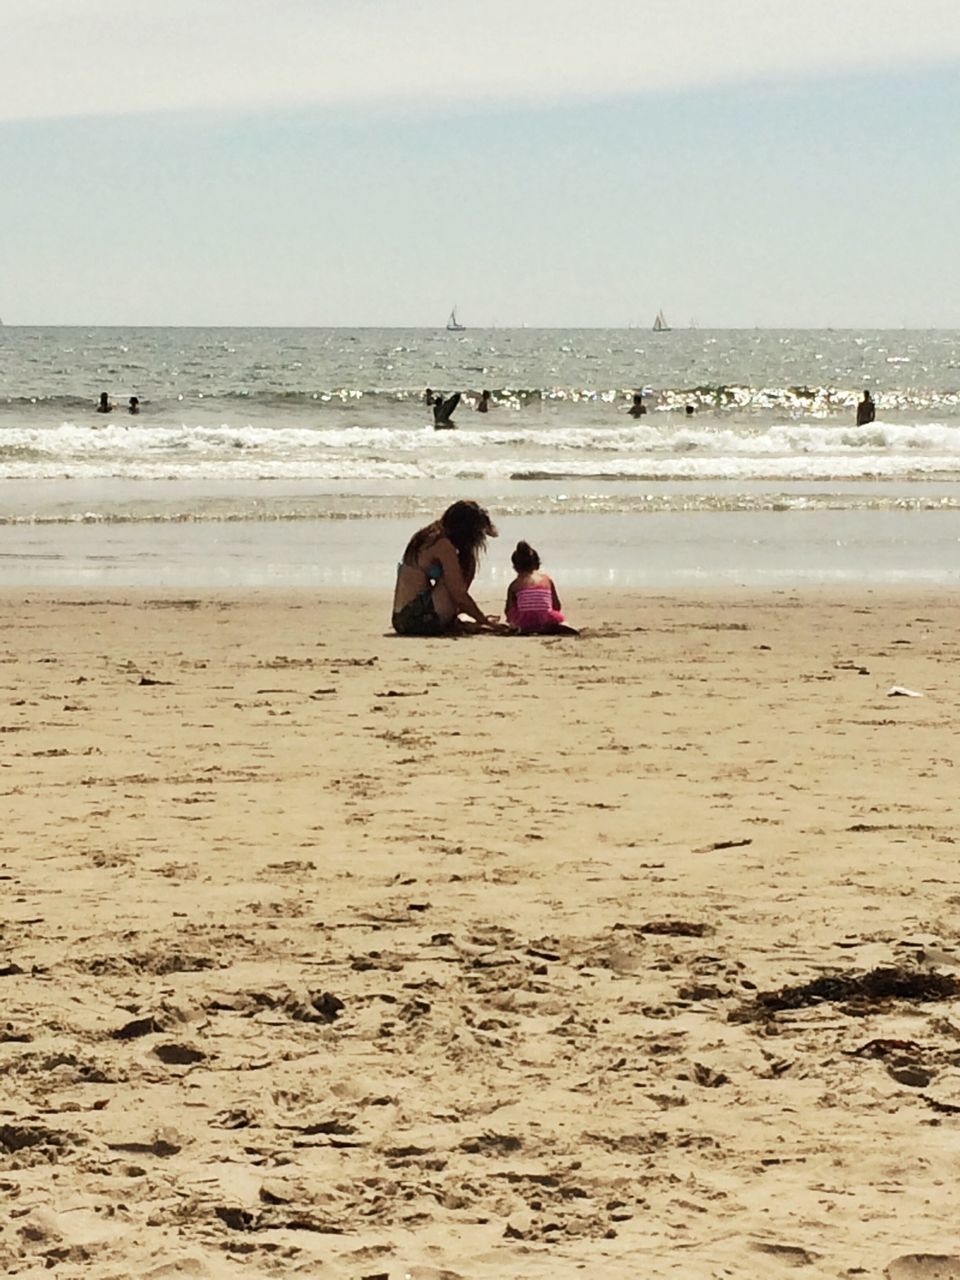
{"x":866,"y":410}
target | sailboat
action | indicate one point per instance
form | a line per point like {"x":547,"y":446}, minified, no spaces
{"x":660,"y":324}
{"x":453,"y":324}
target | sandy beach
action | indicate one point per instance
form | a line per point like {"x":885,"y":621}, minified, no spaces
{"x":328,"y":953}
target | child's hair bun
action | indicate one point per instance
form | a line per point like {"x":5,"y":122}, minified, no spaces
{"x":525,"y":559}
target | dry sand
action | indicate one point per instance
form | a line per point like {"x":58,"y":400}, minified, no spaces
{"x":223,"y":817}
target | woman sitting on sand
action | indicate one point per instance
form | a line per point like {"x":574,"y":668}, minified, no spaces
{"x":437,"y":570}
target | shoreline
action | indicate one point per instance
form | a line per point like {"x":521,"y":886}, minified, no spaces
{"x":367,"y":601}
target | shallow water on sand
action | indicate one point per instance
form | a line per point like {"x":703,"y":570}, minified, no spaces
{"x":696,"y":549}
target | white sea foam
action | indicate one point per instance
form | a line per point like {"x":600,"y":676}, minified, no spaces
{"x":701,"y":451}
{"x":70,"y":441}
{"x":246,"y":466}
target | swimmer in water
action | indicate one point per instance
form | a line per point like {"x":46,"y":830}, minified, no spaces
{"x":443,"y":412}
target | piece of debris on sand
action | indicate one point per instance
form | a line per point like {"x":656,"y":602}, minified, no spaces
{"x":878,"y":986}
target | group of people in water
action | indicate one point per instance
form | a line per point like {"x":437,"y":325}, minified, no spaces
{"x":104,"y":405}
{"x":443,"y":407}
{"x":432,"y":595}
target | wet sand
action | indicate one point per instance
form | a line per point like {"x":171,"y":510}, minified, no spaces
{"x":640,"y":551}
{"x":327,"y":953}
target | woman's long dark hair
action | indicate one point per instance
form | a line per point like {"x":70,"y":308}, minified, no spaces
{"x":467,"y":525}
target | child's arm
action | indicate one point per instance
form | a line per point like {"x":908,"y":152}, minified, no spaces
{"x":556,"y":599}
{"x":511,"y":592}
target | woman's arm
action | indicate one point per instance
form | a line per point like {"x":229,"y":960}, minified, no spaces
{"x":454,"y":581}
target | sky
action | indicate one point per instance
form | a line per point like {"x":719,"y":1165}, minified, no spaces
{"x":539,"y":162}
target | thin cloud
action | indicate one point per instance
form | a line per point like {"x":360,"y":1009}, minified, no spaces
{"x":109,"y":57}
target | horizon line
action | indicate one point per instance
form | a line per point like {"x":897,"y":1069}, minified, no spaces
{"x":490,"y":328}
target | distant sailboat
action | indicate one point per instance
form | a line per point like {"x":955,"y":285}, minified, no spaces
{"x":660,"y":324}
{"x":453,"y":324}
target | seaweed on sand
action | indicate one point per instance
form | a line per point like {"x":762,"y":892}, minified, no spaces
{"x":918,"y":985}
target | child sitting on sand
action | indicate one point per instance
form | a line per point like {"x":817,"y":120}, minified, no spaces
{"x":533,"y":606}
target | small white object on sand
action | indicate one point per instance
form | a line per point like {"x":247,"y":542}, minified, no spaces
{"x":898,"y":691}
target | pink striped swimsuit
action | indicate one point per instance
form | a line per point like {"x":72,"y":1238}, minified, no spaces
{"x":532,"y":609}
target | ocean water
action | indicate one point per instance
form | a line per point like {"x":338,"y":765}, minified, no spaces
{"x":339,"y":415}
{"x":307,"y":427}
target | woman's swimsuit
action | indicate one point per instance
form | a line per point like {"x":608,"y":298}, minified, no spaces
{"x":419,"y":616}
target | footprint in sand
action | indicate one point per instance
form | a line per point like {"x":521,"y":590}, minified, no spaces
{"x":924,"y":1266}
